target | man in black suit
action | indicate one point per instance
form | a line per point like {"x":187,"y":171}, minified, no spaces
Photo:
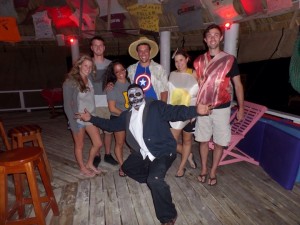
{"x":154,"y":148}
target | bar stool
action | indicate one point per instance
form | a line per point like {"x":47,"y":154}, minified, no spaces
{"x":29,"y":133}
{"x":3,"y":136}
{"x":17,"y":162}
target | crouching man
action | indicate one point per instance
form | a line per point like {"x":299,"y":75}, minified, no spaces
{"x":154,"y":148}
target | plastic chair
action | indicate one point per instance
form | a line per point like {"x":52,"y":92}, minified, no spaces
{"x":252,"y":113}
{"x":53,"y":97}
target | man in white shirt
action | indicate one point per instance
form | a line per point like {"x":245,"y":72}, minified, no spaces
{"x":152,"y":143}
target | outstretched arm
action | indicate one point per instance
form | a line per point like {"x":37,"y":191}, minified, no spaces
{"x":117,"y":124}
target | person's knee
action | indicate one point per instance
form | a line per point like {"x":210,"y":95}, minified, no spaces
{"x":155,"y":182}
{"x":97,"y":144}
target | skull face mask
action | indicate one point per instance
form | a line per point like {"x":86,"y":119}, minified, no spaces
{"x":136,"y":97}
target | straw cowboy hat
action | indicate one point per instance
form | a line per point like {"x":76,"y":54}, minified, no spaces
{"x":133,"y":52}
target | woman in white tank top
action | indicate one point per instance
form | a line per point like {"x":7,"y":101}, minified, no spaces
{"x":182,"y":90}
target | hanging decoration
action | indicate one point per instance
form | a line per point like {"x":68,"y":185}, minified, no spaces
{"x":114,"y":8}
{"x":9,"y":31}
{"x":88,"y":23}
{"x":252,"y":7}
{"x":61,"y":16}
{"x":223,"y":11}
{"x":116,"y":23}
{"x":275,"y":5}
{"x":186,"y":13}
{"x":42,"y":25}
{"x":147,"y":15}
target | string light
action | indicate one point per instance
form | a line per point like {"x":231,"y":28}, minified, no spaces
{"x":227,"y":25}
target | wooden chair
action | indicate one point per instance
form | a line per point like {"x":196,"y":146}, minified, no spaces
{"x":252,"y":113}
{"x":18,"y":162}
{"x":29,"y":133}
{"x":4,"y":136}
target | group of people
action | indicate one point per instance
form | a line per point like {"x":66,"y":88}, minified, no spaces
{"x":151,"y":110}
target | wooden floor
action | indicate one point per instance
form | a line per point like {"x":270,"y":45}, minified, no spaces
{"x":245,"y":194}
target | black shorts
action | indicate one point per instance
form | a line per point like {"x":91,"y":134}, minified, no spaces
{"x":190,"y":127}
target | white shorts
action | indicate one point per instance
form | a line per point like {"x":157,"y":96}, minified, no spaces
{"x":216,"y":126}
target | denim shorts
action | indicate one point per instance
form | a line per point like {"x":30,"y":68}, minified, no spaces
{"x":79,"y":125}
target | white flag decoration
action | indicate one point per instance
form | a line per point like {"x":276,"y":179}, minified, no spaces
{"x":42,"y":25}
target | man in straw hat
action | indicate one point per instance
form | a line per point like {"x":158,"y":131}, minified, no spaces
{"x":150,"y":75}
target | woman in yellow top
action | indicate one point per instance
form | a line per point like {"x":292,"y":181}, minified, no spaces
{"x":182,"y":90}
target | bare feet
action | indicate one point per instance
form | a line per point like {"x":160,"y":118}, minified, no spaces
{"x":192,"y":162}
{"x":87,"y":173}
{"x":180,"y":173}
{"x":93,"y":169}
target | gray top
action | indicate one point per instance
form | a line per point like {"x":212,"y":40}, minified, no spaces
{"x":70,"y":94}
{"x":97,"y":81}
{"x":119,"y":95}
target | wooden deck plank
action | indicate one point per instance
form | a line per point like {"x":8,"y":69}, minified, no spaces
{"x":81,"y":215}
{"x":142,"y":202}
{"x":112,"y":211}
{"x":245,"y":194}
{"x":97,"y":210}
{"x":124,"y":199}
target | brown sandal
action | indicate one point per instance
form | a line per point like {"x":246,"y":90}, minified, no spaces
{"x":212,"y":181}
{"x":121,"y":173}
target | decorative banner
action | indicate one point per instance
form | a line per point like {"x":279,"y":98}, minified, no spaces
{"x":115,"y":7}
{"x":186,"y":13}
{"x":42,"y":25}
{"x":147,"y":15}
{"x":252,"y":7}
{"x":223,"y":11}
{"x":9,"y":30}
{"x":60,"y":16}
{"x":116,"y":22}
{"x":88,"y":23}
{"x":7,"y":9}
{"x":275,"y":5}
{"x":90,"y":7}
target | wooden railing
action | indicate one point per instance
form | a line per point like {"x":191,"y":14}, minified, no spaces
{"x":18,"y":100}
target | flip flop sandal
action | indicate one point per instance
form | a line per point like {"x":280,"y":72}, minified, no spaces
{"x":212,"y":181}
{"x":202,"y":178}
{"x":121,"y":173}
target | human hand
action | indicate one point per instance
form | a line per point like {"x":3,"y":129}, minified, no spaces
{"x":204,"y":109}
{"x":240,"y":114}
{"x":86,"y":116}
{"x":109,"y":86}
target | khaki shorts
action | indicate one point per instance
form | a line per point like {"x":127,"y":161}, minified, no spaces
{"x":215,"y":125}
{"x":103,"y":112}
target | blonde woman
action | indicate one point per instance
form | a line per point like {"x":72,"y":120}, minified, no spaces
{"x":182,"y":90}
{"x":78,"y":95}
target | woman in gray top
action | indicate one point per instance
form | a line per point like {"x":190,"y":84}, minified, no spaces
{"x":78,"y":95}
{"x":117,"y":102}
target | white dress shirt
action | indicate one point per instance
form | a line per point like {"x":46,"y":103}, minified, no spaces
{"x":136,"y":128}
